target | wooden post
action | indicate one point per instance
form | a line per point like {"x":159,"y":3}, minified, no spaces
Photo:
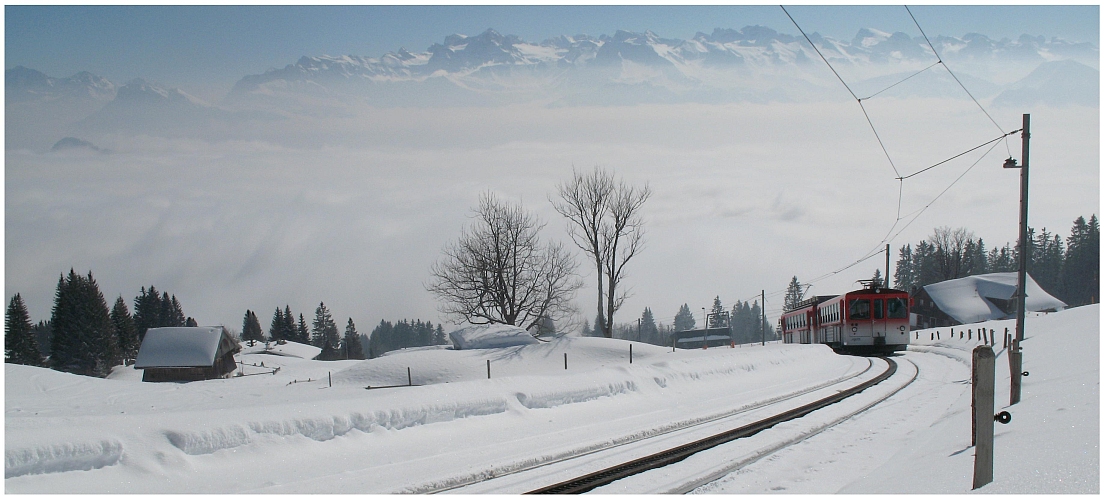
{"x":410,"y":382}
{"x":982,"y":412}
{"x":488,"y":368}
{"x":329,"y":380}
{"x":630,"y":353}
{"x":1014,"y":370}
{"x":565,"y":361}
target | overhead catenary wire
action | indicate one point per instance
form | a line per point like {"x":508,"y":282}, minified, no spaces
{"x":891,"y":234}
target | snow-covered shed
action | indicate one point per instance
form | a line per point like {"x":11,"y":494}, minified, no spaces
{"x":187,"y":353}
{"x":479,"y":336}
{"x":978,"y":298}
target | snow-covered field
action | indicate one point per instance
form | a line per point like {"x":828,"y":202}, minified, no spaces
{"x":314,"y":427}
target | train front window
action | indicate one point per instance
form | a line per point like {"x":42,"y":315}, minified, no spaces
{"x":859,"y":309}
{"x":896,"y":308}
{"x":878,"y":309}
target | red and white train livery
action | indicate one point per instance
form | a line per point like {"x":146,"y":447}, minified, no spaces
{"x":872,"y":319}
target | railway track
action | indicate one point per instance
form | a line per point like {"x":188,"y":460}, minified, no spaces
{"x":485,"y":482}
{"x":518,"y":479}
{"x":660,"y":459}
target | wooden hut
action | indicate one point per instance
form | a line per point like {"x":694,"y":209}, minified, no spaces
{"x":187,"y":354}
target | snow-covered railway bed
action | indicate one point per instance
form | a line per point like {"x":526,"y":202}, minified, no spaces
{"x":709,"y":465}
{"x":870,"y":447}
{"x":585,"y":461}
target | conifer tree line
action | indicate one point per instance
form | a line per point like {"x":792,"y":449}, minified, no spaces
{"x":403,"y":334}
{"x":744,"y":324}
{"x":1068,"y":270}
{"x":322,"y":333}
{"x":83,"y":336}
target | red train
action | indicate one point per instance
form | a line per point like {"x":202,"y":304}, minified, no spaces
{"x":869,"y":320}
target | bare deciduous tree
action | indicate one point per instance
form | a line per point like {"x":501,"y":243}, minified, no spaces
{"x":949,"y":245}
{"x":499,"y":272}
{"x":605,"y":222}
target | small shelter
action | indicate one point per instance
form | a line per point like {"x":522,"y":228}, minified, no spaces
{"x":977,"y":298}
{"x":699,"y":338}
{"x":187,"y":354}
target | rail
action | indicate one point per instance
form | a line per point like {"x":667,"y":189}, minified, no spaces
{"x":606,"y":476}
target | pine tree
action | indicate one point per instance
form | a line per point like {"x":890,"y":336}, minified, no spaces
{"x":439,"y":336}
{"x":302,"y":333}
{"x":84,"y":340}
{"x":251,"y":328}
{"x":125,"y":330}
{"x":876,"y":279}
{"x":903,"y":270}
{"x":352,"y":342}
{"x":716,"y":312}
{"x":795,"y":294}
{"x":324,"y":329}
{"x":649,"y":331}
{"x":756,"y":331}
{"x":147,"y":311}
{"x":157,"y":310}
{"x":20,"y":346}
{"x":379,"y":339}
{"x":684,"y":319}
{"x":276,"y":328}
{"x":1080,"y":272}
{"x":288,"y":329}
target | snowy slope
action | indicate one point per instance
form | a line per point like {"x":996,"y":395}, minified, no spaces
{"x":291,"y":431}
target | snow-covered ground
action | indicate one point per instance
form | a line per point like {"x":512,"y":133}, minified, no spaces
{"x":313,"y":426}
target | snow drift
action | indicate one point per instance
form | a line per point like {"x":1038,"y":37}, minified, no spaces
{"x":490,"y":336}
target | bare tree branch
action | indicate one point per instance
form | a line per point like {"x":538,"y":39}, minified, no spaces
{"x":499,"y":272}
{"x":605,"y":222}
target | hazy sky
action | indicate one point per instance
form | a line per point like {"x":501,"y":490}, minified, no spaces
{"x":211,"y":47}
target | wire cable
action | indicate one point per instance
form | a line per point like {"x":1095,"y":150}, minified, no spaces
{"x":980,"y":146}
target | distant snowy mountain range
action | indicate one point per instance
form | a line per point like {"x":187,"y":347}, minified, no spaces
{"x":751,"y":64}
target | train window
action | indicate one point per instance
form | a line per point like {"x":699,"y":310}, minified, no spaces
{"x":877,"y":308}
{"x":859,"y":309}
{"x":896,"y":308}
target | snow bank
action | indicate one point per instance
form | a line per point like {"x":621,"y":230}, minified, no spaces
{"x":490,"y":336}
{"x":56,"y":458}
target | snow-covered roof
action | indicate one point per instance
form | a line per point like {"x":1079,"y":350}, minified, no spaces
{"x":490,"y":336}
{"x":181,"y":346}
{"x":970,"y":299}
{"x":288,"y":349}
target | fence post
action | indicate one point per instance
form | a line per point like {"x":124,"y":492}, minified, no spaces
{"x":488,"y":368}
{"x":410,"y":382}
{"x":329,"y":380}
{"x":630,"y":353}
{"x":1014,"y":371}
{"x":565,"y":361}
{"x":982,"y":412}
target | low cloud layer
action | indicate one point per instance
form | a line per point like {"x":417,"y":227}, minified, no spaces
{"x":353,"y":210}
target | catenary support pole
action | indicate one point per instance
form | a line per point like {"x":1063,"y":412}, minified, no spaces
{"x":887,"y":276}
{"x":1022,"y":266}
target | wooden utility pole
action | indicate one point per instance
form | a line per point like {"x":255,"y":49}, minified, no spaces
{"x":1022,"y":265}
{"x":763,"y":317}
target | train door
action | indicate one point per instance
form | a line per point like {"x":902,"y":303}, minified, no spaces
{"x":878,"y":322}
